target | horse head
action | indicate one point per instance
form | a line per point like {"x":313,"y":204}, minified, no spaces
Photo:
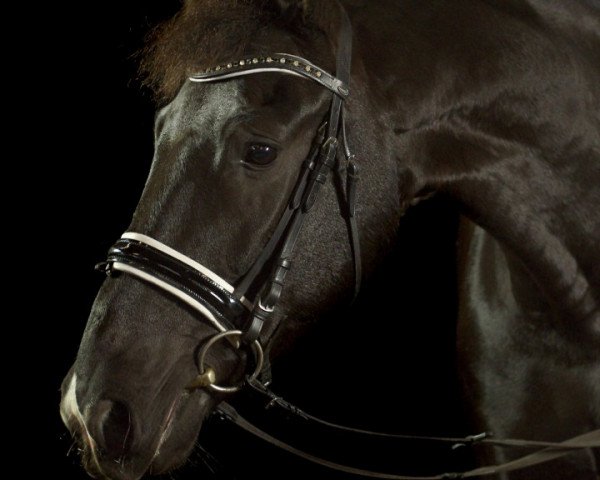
{"x":229,"y":156}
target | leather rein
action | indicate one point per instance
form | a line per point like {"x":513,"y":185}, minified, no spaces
{"x":546,"y":451}
{"x":244,"y":314}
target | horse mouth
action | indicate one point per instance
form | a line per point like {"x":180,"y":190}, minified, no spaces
{"x":167,"y":427}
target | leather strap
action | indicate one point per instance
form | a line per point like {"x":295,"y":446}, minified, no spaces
{"x":587,"y":440}
{"x":352,"y":177}
{"x":349,"y":179}
{"x":318,"y":172}
{"x":250,"y":277}
{"x":228,"y":308}
{"x":274,"y":400}
{"x":278,"y":62}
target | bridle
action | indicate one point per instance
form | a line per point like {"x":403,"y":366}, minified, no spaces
{"x":244,"y":313}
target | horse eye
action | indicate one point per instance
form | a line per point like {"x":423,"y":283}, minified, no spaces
{"x":260,"y":155}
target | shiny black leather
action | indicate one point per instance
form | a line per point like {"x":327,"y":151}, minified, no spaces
{"x":226,"y":307}
{"x":319,"y":170}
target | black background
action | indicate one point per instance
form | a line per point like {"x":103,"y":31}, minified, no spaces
{"x":386,"y":364}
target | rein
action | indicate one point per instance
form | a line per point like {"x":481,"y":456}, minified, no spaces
{"x":547,"y":452}
{"x":550,"y":450}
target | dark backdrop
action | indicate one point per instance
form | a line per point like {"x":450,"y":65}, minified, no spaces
{"x":89,"y":161}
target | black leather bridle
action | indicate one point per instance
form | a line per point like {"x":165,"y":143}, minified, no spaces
{"x":244,"y":313}
{"x":247,"y":309}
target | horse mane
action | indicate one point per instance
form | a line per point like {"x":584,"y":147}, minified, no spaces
{"x":208,"y":32}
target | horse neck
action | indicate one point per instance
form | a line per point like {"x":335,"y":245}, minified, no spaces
{"x":547,"y":225}
{"x":465,"y":120}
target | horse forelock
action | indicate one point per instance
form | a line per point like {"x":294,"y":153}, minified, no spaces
{"x":207,"y":32}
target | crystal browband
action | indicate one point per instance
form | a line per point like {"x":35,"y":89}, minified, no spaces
{"x":279,"y":62}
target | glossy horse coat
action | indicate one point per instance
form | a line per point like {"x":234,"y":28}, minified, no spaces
{"x":495,"y":104}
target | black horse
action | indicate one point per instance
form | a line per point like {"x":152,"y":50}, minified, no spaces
{"x":493,"y":103}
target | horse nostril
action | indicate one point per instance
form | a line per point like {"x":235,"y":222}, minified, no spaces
{"x":115,"y":428}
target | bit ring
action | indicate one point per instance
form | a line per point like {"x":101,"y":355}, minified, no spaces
{"x":255,"y":347}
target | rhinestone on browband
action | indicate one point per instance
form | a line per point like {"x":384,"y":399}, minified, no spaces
{"x":282,"y":62}
{"x":258,"y":60}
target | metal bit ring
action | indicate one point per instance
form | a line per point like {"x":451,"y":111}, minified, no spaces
{"x":205,"y":372}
